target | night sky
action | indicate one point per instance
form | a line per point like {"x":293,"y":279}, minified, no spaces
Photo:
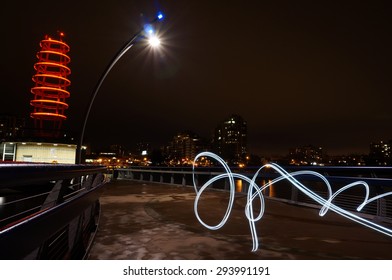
{"x":299,"y":72}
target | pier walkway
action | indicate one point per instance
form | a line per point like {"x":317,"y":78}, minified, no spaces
{"x":145,"y":221}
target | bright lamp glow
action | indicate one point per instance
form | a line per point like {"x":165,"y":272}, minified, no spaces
{"x":160,"y":16}
{"x":154,"y":41}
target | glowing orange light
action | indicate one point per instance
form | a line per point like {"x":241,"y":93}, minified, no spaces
{"x":51,"y":83}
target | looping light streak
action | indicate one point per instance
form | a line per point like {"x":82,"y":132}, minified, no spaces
{"x":255,"y":192}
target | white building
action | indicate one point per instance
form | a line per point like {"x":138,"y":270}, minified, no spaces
{"x":38,"y":152}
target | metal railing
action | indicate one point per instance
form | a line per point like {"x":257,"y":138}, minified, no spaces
{"x":48,"y":211}
{"x":379,"y":180}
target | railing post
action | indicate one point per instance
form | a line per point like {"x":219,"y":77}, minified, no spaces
{"x":98,"y":178}
{"x":245,"y":187}
{"x":227,"y":184}
{"x":381,"y":208}
{"x":294,"y":194}
{"x":87,"y":184}
{"x":210,"y":177}
{"x":172,"y":178}
{"x":54,"y":196}
{"x":183,"y":180}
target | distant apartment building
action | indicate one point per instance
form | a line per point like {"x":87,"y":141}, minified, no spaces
{"x":347,"y":160}
{"x":306,"y":155}
{"x":230,"y":139}
{"x":380,"y":153}
{"x":184,"y":147}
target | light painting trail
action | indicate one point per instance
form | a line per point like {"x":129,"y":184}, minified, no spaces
{"x":255,"y":192}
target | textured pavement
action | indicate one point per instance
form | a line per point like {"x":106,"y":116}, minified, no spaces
{"x":146,"y":221}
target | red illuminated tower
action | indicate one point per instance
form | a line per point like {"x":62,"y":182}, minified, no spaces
{"x":51,"y":83}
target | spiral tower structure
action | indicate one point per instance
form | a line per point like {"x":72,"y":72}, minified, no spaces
{"x":50,"y":84}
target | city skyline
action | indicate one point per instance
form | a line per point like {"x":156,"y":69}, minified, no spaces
{"x":298,"y":73}
{"x":13,"y":128}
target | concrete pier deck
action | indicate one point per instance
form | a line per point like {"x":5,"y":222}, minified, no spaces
{"x":145,"y":221}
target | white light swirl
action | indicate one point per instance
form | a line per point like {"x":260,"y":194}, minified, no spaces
{"x":254,"y":191}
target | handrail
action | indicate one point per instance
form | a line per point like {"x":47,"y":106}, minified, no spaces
{"x":375,"y":181}
{"x":12,"y":175}
{"x":52,"y":212}
{"x":382,"y":209}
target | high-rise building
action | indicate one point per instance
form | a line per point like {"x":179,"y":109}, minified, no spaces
{"x":183,"y":146}
{"x":380,"y":153}
{"x":230,"y":139}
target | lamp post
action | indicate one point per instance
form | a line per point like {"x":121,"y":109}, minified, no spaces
{"x":153,"y":41}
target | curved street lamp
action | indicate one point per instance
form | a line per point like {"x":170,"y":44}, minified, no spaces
{"x":146,"y":31}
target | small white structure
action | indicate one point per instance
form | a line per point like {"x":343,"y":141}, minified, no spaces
{"x":38,"y":152}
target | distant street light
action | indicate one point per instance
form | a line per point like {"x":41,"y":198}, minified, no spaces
{"x":146,"y":32}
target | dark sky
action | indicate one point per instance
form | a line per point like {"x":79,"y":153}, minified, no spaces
{"x":299,"y":72}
